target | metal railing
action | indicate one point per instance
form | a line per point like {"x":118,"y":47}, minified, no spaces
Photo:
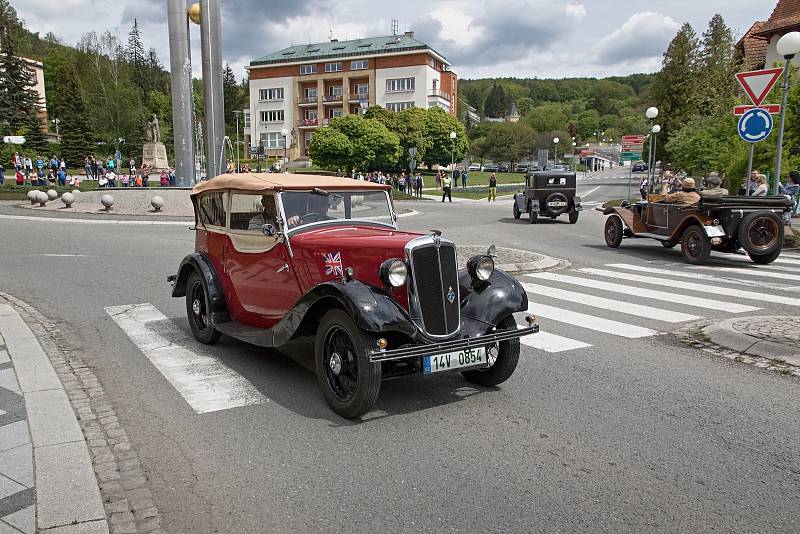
{"x":308,"y":122}
{"x":439,"y":93}
{"x":332,"y":98}
{"x":359,"y":96}
{"x":308,"y":100}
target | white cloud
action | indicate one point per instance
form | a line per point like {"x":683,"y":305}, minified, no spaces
{"x":575,"y":9}
{"x":643,"y":36}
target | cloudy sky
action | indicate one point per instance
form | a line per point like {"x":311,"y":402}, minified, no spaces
{"x":522,"y":38}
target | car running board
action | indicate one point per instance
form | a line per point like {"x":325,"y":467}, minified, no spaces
{"x":653,"y":236}
{"x":262,"y":337}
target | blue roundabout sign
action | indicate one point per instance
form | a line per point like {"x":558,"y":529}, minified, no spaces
{"x":755,"y":125}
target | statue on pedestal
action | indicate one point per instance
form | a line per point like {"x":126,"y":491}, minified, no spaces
{"x":154,"y":153}
{"x":153,"y":130}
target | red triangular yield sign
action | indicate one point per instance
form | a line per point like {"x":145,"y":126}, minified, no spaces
{"x":758,"y":83}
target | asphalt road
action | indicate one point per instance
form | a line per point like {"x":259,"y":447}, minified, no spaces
{"x":613,"y":425}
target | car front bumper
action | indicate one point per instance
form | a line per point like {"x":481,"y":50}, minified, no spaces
{"x":433,"y":349}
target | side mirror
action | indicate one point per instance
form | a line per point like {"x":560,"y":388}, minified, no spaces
{"x":492,"y":251}
{"x":269,"y":230}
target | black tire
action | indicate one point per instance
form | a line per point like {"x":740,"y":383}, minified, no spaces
{"x":533,"y":216}
{"x":613,"y":231}
{"x":517,"y":213}
{"x":760,"y":233}
{"x":573,"y":217}
{"x":556,"y":197}
{"x":668,"y":244}
{"x":765,"y":259}
{"x":352,"y":389}
{"x":507,"y":354}
{"x":695,"y":245}
{"x":197,"y":310}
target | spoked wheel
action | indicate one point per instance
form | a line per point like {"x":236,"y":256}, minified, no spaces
{"x":613,"y":231}
{"x":516,"y":211}
{"x":197,"y":311}
{"x":349,"y":382}
{"x":761,"y":233}
{"x":695,"y":245}
{"x":502,"y":358}
{"x":533,"y":216}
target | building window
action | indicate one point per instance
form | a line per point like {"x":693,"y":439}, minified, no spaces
{"x":399,"y":106}
{"x":399,"y":84}
{"x":275,"y":93}
{"x":310,"y":115}
{"x":333,"y":67}
{"x":311,"y":93}
{"x":275,"y":115}
{"x":336,"y":112}
{"x":272,"y":140}
{"x":359,"y":65}
{"x":362,"y":89}
{"x":247,"y":119}
{"x":335,"y":90}
{"x":308,"y":69}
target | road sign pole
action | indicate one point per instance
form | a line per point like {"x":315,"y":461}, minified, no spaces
{"x":630,"y":177}
{"x":750,"y":168}
{"x":780,"y":129}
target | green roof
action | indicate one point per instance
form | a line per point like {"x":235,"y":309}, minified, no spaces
{"x":337,"y":49}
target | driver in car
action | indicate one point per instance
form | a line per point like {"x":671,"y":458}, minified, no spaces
{"x":687,"y":195}
{"x":317,"y":210}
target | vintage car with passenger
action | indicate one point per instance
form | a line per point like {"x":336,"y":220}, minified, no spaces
{"x":720,"y":223}
{"x":280,"y":256}
{"x":548,"y":194}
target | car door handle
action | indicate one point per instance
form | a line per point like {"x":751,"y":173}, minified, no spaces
{"x":284,"y":268}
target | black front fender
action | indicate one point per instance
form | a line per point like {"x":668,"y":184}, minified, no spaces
{"x":198,"y":261}
{"x":485,"y":304}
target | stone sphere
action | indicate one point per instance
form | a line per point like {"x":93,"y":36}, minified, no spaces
{"x":157,"y":203}
{"x":32,"y":196}
{"x":42,"y":197}
{"x":76,"y":191}
{"x":52,"y":194}
{"x":68,"y":198}
{"x":107,"y":201}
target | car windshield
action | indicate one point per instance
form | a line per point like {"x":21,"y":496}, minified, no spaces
{"x":302,"y":208}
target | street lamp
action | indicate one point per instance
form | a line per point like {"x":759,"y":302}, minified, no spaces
{"x":555,"y":150}
{"x":285,"y":134}
{"x":788,"y":46}
{"x":574,"y":164}
{"x":57,"y":122}
{"x":654,"y":136}
{"x":237,"y":112}
{"x":651,"y":114}
{"x":453,"y":136}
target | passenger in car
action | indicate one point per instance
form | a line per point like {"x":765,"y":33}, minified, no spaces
{"x":267,"y":216}
{"x":687,"y":195}
{"x":713,"y":188}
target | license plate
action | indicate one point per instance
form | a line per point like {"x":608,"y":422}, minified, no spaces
{"x":556,"y":204}
{"x":715,"y":231}
{"x":454,"y":360}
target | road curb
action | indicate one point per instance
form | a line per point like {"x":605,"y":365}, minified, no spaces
{"x":109,"y":464}
{"x":724,"y":335}
{"x":67,"y":494}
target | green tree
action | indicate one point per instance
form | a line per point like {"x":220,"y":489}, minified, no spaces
{"x":76,"y":135}
{"x":412,"y":130}
{"x":234,"y":99}
{"x":525,"y":105}
{"x":35,"y":141}
{"x":509,"y":142}
{"x":136,"y":57}
{"x":439,"y":127}
{"x":479,"y":148}
{"x":18,"y":100}
{"x":495,"y":103}
{"x":717,"y":83}
{"x":355,"y":142}
{"x":331,"y":149}
{"x":676,"y":87}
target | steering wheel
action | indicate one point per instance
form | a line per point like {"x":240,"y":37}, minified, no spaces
{"x":313,"y":217}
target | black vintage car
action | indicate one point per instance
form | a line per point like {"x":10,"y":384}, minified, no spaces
{"x":548,"y":194}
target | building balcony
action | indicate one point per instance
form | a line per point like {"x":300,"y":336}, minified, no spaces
{"x":307,"y":101}
{"x":331,"y":99}
{"x":308,"y":123}
{"x":439,"y":93}
{"x":357,"y":97}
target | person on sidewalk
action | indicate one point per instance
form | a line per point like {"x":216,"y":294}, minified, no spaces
{"x":447,"y":187}
{"x":2,"y":174}
{"x":493,"y":188}
{"x":761,"y":186}
{"x":464,"y":176}
{"x":419,"y":184}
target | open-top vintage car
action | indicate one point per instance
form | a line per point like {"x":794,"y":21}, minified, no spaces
{"x":280,"y":256}
{"x":724,"y":224}
{"x":548,"y":194}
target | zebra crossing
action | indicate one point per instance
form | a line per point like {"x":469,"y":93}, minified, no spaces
{"x":647,"y":298}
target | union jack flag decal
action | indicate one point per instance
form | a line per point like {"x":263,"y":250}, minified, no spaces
{"x":333,"y":264}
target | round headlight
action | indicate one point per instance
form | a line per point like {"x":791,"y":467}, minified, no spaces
{"x":394,"y":273}
{"x":480,"y":267}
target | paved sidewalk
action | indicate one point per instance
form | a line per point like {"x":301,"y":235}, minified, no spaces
{"x":47,"y":481}
{"x":772,"y":337}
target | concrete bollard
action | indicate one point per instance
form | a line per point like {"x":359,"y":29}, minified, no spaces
{"x":107,"y":201}
{"x":68,"y":198}
{"x":42,"y":198}
{"x":52,"y":194}
{"x":157,"y":203}
{"x":32,"y":194}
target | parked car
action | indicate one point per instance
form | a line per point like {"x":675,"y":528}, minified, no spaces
{"x":639,"y":166}
{"x":548,"y":193}
{"x":474,"y":167}
{"x":490,"y":167}
{"x":280,"y":256}
{"x":502,"y":168}
{"x":521,"y":168}
{"x":724,"y":224}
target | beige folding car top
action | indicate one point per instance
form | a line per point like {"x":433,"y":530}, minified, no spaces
{"x":284,"y":182}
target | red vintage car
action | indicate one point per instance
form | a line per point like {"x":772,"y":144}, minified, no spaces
{"x":280,"y":256}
